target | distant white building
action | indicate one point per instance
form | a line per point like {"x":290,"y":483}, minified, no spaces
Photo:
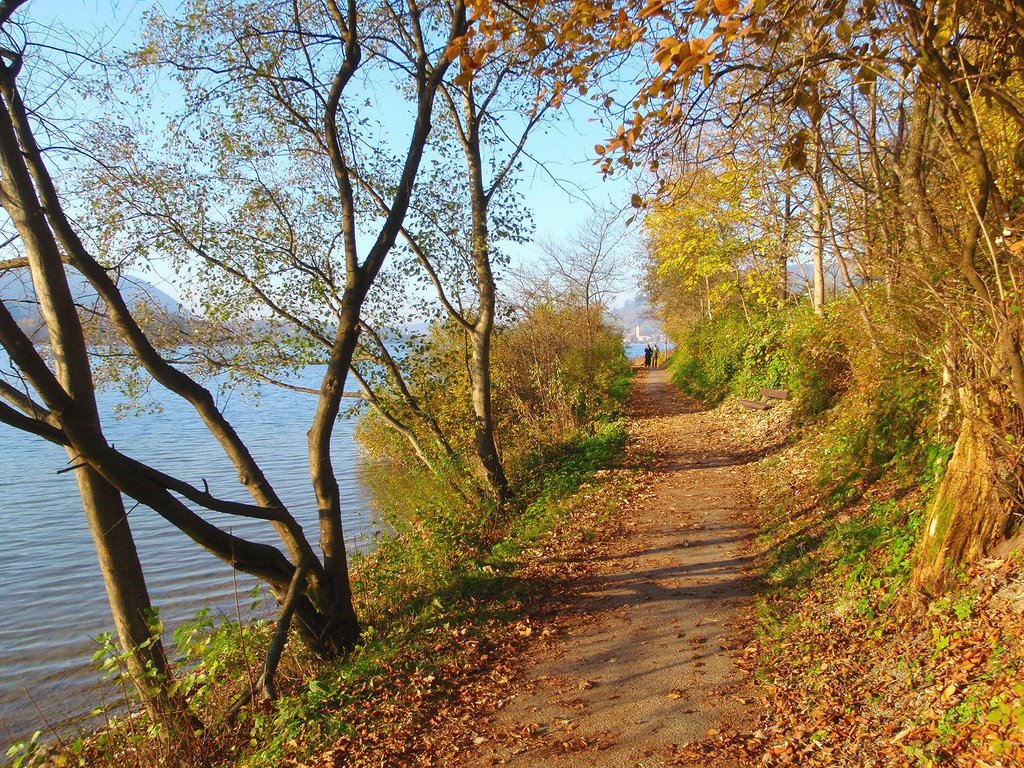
{"x":636,"y":337}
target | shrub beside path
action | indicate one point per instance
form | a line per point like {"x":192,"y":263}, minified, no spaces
{"x":645,"y":667}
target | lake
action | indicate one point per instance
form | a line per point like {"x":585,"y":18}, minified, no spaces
{"x":53,"y":599}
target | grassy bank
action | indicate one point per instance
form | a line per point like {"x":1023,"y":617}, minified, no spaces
{"x":444,"y":610}
{"x":856,"y":666}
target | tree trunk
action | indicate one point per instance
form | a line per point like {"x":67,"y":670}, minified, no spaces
{"x":782,"y":289}
{"x":336,"y":629}
{"x":127,"y":592}
{"x":851,"y":286}
{"x":945,"y":425}
{"x":104,"y":508}
{"x":480,"y":363}
{"x":818,"y":236}
{"x":486,"y":445}
{"x":967,"y":516}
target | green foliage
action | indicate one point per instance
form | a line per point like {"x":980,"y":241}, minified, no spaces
{"x":573,"y":463}
{"x":707,"y":238}
{"x":817,"y":365}
{"x":557,"y":369}
{"x":879,"y":426}
{"x":708,"y":356}
{"x":875,"y":548}
{"x":26,"y":753}
{"x":874,"y":402}
{"x":870,"y":552}
{"x":115,"y":662}
{"x":1007,"y":712}
{"x":734,"y":354}
{"x":212,"y":653}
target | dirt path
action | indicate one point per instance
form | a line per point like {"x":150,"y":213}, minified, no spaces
{"x":647,"y":660}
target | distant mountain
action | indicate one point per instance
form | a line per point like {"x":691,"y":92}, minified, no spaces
{"x":636,"y":313}
{"x":19,"y":297}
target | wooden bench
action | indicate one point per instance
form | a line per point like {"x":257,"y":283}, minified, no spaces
{"x":767,"y":396}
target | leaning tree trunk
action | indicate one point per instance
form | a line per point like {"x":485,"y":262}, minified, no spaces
{"x":73,"y":398}
{"x":968,"y":516}
{"x":128,"y":596}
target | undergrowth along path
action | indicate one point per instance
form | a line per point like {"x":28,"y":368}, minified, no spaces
{"x":645,"y":669}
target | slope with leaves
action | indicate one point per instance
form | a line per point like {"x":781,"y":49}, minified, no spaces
{"x":855,"y":667}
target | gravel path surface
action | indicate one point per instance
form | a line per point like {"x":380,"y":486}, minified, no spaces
{"x":646,"y":662}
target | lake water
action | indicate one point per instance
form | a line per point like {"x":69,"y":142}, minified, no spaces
{"x":54,"y":604}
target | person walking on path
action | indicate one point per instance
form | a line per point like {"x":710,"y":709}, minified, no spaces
{"x":648,"y":352}
{"x":654,"y":356}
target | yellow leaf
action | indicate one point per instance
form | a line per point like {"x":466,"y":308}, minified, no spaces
{"x":844,"y":31}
